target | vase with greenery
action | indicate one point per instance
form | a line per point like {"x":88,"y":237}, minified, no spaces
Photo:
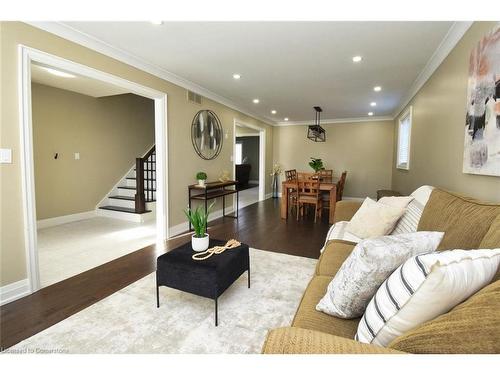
{"x":201,"y":177}
{"x":277,"y":171}
{"x":316,"y":164}
{"x":199,"y":219}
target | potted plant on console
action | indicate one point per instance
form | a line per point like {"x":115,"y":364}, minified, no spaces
{"x":199,"y":219}
{"x":201,"y":177}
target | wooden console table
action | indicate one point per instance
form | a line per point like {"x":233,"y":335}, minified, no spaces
{"x":213,"y":190}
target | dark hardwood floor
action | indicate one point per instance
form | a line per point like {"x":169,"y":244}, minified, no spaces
{"x":259,"y":225}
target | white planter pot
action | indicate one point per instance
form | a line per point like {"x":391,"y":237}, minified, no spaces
{"x":200,"y":244}
{"x":201,"y":182}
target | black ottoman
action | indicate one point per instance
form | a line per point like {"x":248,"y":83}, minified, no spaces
{"x":206,"y":278}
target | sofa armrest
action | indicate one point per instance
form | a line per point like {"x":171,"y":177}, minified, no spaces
{"x":345,"y":210}
{"x":292,"y":340}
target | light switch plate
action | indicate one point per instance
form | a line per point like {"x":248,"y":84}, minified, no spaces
{"x":5,"y":156}
{"x":77,"y":156}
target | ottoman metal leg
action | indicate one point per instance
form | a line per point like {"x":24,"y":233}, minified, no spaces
{"x":216,"y":318}
{"x":157,"y":294}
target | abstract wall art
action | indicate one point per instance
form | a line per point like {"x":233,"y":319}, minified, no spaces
{"x":482,"y":123}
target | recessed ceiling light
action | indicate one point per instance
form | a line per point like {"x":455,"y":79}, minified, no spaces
{"x":256,"y":101}
{"x":373,"y":104}
{"x":157,"y":22}
{"x":377,"y":88}
{"x":236,"y":76}
{"x":370,"y":113}
{"x":357,"y":58}
{"x":273,"y":111}
{"x":58,"y":73}
{"x":286,"y":119}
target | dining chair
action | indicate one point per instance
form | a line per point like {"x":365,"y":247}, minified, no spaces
{"x":325,"y":173}
{"x":340,"y":186}
{"x":291,"y":176}
{"x":308,"y":193}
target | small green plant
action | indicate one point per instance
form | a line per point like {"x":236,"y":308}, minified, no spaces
{"x":316,"y":164}
{"x":201,"y":176}
{"x":199,"y":219}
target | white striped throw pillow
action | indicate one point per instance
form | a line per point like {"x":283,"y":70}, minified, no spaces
{"x":423,"y":288}
{"x":409,"y":221}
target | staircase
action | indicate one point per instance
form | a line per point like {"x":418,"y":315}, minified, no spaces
{"x":134,"y":197}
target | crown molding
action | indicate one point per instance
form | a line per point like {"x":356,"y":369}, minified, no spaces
{"x":67,"y":32}
{"x":450,"y":40}
{"x":336,"y":121}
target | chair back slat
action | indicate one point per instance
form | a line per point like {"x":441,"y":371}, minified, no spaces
{"x":326,"y":173}
{"x":291,"y":175}
{"x":309,"y":187}
{"x":340,"y":190}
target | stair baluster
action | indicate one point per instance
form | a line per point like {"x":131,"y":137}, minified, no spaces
{"x":140,"y":200}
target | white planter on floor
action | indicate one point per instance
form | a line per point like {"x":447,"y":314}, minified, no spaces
{"x":200,"y":244}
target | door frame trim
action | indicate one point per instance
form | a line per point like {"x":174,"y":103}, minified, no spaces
{"x":27,"y":55}
{"x":262,"y":154}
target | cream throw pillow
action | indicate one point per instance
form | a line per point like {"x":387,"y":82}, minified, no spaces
{"x":366,"y":268}
{"x":374,"y":219}
{"x":423,"y":288}
{"x":400,"y":202}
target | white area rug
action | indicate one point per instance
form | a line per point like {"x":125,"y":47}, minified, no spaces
{"x":129,"y":322}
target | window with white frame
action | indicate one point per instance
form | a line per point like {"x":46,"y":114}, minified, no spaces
{"x":238,"y":153}
{"x":404,"y":140}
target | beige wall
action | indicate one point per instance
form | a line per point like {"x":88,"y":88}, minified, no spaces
{"x":363,"y":149}
{"x":109,"y":133}
{"x":437,"y":138}
{"x":183,"y":162}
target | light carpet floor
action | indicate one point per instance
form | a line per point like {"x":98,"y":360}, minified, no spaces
{"x":129,"y":322}
{"x":72,"y":248}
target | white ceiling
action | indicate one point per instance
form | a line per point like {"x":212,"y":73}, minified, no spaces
{"x":288,"y":66}
{"x":79,"y":84}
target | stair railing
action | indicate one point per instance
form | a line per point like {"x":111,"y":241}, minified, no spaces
{"x":145,"y":177}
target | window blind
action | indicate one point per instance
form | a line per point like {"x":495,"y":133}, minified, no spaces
{"x":404,"y":141}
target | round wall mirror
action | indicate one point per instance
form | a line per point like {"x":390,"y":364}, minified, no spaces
{"x":206,"y":134}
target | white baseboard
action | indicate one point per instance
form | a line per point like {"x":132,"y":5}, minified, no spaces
{"x":269,"y":195}
{"x":253,"y":181}
{"x":53,"y":221}
{"x":11,"y":292}
{"x":183,"y":227}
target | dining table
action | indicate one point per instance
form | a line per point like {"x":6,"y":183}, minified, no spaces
{"x":327,"y":184}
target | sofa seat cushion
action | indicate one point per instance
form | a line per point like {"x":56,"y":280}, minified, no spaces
{"x":336,"y":252}
{"x":308,"y":317}
{"x":465,"y":221}
{"x":471,"y":327}
{"x":291,"y":340}
{"x":492,"y":238}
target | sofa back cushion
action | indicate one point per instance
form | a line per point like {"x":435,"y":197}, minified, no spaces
{"x":492,"y":238}
{"x":471,"y":327}
{"x":465,"y":221}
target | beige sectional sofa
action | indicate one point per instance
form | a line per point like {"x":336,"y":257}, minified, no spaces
{"x":471,"y":327}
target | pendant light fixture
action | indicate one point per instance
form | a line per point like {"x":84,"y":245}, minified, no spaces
{"x":315,"y":132}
